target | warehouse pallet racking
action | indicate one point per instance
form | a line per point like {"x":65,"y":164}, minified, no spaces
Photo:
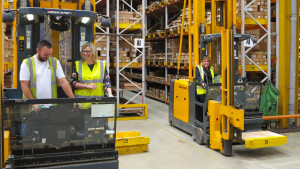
{"x":116,"y":46}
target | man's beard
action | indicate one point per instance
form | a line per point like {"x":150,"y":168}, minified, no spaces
{"x":41,"y":59}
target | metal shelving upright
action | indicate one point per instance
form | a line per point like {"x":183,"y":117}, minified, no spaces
{"x":106,"y":33}
{"x":245,"y":6}
{"x":166,"y":53}
{"x":119,"y":36}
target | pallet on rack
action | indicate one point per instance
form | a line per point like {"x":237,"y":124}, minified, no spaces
{"x":184,"y":63}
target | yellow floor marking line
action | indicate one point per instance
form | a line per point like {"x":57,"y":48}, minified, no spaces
{"x":285,"y":147}
{"x":187,"y":142}
{"x":290,"y":147}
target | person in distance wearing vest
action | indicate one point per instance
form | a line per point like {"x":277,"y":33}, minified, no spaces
{"x":90,"y":77}
{"x":38,"y":75}
{"x":204,"y":75}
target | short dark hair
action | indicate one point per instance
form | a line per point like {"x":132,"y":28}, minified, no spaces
{"x":43,"y":43}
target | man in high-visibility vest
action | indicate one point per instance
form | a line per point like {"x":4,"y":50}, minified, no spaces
{"x":38,"y":75}
{"x":204,"y":74}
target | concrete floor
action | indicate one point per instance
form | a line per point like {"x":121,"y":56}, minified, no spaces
{"x":171,"y":148}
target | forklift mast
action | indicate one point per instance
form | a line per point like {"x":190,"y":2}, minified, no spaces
{"x":226,"y":12}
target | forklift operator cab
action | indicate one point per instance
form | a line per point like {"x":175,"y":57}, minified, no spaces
{"x":68,"y":30}
{"x":59,"y":135}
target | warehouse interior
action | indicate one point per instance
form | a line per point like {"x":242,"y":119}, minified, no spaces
{"x":152,"y":51}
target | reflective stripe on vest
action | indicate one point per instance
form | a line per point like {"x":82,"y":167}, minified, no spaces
{"x":32,"y":85}
{"x":200,"y":89}
{"x":86,"y":76}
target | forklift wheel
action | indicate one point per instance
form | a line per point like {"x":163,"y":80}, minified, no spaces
{"x":199,"y":135}
{"x":170,"y":123}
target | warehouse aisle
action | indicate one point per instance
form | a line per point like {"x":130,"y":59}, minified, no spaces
{"x":172,"y":148}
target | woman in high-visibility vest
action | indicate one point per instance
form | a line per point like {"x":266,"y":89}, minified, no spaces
{"x":204,"y":74}
{"x":90,"y":77}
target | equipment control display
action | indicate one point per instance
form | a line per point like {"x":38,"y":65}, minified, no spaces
{"x":103,"y":110}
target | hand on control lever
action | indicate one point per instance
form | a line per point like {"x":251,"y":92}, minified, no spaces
{"x":77,"y":105}
{"x":37,"y":107}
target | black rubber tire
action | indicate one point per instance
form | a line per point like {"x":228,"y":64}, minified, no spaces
{"x":199,"y":135}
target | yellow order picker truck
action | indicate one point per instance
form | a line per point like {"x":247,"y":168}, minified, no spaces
{"x":60,"y":135}
{"x":230,"y":113}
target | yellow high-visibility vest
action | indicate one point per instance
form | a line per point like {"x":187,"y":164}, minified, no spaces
{"x":86,"y":76}
{"x":32,"y":84}
{"x":200,"y":90}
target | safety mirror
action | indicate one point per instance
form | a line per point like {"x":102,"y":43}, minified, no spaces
{"x":253,"y":38}
{"x":105,"y":21}
{"x":8,"y":16}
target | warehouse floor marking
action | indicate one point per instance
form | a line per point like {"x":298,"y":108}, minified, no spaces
{"x":181,"y":138}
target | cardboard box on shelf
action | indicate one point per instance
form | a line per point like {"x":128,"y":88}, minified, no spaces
{"x":273,"y":27}
{"x":128,"y":85}
{"x":7,"y":81}
{"x":100,"y":44}
{"x":101,"y":58}
{"x":123,"y":53}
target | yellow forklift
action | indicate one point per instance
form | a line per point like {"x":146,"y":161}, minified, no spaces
{"x":230,"y":113}
{"x":60,"y":135}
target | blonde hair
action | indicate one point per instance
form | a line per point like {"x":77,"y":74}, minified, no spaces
{"x":205,"y":58}
{"x":93,"y":51}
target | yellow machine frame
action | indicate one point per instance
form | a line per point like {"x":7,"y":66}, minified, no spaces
{"x":220,"y":121}
{"x":284,"y":61}
{"x":223,"y":117}
{"x":229,"y":22}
